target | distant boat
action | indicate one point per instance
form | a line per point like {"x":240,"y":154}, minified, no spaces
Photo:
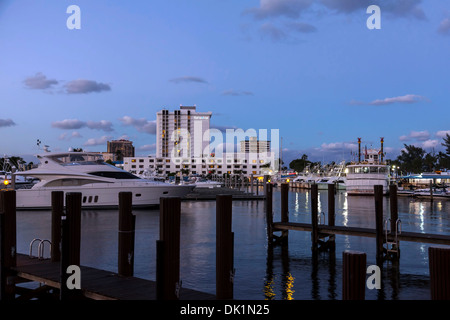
{"x":435,"y":193}
{"x":335,"y":176}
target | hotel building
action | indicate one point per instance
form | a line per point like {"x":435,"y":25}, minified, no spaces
{"x":180,"y":133}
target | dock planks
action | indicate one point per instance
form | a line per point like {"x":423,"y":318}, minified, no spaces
{"x":98,"y":284}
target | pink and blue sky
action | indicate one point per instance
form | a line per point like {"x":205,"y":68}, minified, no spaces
{"x":310,"y":68}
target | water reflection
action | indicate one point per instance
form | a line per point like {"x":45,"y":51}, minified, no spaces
{"x":262,"y":271}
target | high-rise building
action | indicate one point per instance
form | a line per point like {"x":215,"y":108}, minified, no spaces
{"x":120,"y":148}
{"x":181,"y":133}
{"x":253,"y":145}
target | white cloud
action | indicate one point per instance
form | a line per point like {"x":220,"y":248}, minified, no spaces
{"x":442,"y":133}
{"x":187,"y":79}
{"x":85,"y":86}
{"x":67,"y":137}
{"x":39,"y":82}
{"x":338,"y":146}
{"x":444,"y":27}
{"x":97,"y":141}
{"x":416,"y":135}
{"x":6,"y":123}
{"x":103,"y":125}
{"x":430,"y":144}
{"x":141,"y":124}
{"x":409,"y":98}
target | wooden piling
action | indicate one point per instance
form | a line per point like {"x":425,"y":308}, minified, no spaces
{"x":169,"y":233}
{"x":57,"y":213}
{"x":8,"y":243}
{"x":269,"y":211}
{"x":284,"y":202}
{"x":127,"y":222}
{"x":353,"y":275}
{"x":331,"y":243}
{"x":224,"y":248}
{"x":331,"y":204}
{"x":439,"y":266}
{"x":284,"y":210}
{"x":314,"y":217}
{"x":378,"y":191}
{"x":70,"y":242}
{"x":393,"y":203}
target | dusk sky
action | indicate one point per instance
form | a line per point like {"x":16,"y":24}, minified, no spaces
{"x":310,"y":68}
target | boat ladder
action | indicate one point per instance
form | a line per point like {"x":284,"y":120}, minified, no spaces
{"x":40,"y":255}
{"x":392,"y":245}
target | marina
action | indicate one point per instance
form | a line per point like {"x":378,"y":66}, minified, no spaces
{"x":263,"y":271}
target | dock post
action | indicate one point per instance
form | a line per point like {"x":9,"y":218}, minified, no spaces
{"x":57,"y":213}
{"x":353,"y":275}
{"x":439,"y":266}
{"x":127,"y":223}
{"x":70,"y":242}
{"x":331,"y":204}
{"x":285,"y":210}
{"x":8,"y":243}
{"x":224,"y":248}
{"x":331,"y":214}
{"x":269,"y":212}
{"x":314,"y":218}
{"x":393,"y":203}
{"x":169,"y":233}
{"x":378,"y":191}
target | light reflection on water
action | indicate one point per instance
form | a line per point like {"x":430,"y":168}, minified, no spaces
{"x":262,"y":272}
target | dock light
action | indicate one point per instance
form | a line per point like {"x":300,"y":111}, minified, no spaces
{"x":5,"y":182}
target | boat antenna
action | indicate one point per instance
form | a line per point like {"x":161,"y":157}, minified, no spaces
{"x":38,"y":143}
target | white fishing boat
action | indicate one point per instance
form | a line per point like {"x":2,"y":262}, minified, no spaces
{"x":98,"y":182}
{"x":336,"y":176}
{"x":339,"y":183}
{"x":364,"y":175}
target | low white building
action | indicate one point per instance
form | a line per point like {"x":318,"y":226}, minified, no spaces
{"x":232,"y":163}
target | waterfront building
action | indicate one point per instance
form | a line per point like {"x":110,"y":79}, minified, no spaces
{"x":120,"y":148}
{"x":228,"y":163}
{"x":181,"y":133}
{"x":253,"y":145}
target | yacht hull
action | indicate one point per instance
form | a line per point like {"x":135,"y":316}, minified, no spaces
{"x":95,"y":197}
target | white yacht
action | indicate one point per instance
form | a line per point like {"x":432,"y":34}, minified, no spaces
{"x":364,"y":175}
{"x":99,"y":182}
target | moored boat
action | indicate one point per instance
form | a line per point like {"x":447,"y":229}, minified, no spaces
{"x":98,"y":182}
{"x":364,"y":175}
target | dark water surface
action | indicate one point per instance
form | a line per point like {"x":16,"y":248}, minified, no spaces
{"x":261,"y":273}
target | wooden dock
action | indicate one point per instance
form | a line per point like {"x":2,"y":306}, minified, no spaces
{"x":62,"y":276}
{"x":95,"y":284}
{"x":362,"y":232}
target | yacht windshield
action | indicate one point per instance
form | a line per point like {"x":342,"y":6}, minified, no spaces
{"x":79,"y":159}
{"x":114,"y":174}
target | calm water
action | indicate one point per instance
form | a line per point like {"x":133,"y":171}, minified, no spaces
{"x":281,"y":273}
